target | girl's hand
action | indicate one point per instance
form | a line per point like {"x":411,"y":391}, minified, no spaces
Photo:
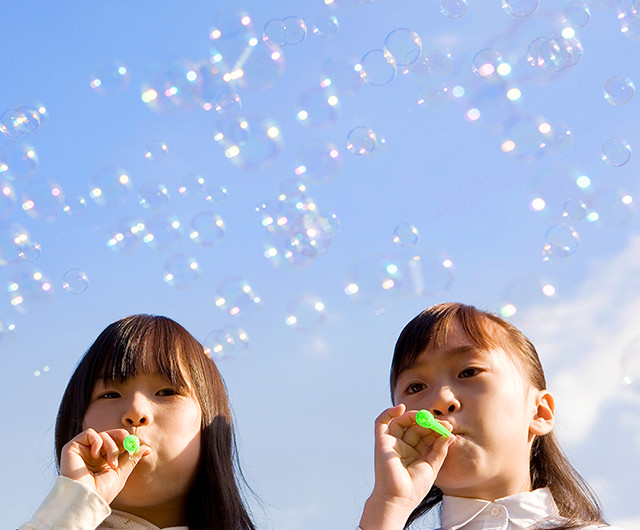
{"x":408,"y":458}
{"x":98,"y":460}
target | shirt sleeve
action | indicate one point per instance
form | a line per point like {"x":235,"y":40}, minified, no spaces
{"x":70,"y":505}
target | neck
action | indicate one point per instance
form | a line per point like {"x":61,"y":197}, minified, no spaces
{"x":163,"y":516}
{"x":492,"y":491}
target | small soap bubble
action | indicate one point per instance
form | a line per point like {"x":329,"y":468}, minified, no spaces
{"x":574,"y":210}
{"x":616,"y":152}
{"x":228,"y":342}
{"x":611,"y":209}
{"x":311,"y":234}
{"x":12,"y":237}
{"x":42,"y":200}
{"x":519,"y":8}
{"x":524,"y":140}
{"x":361,"y":140}
{"x":619,"y":90}
{"x":162,"y":231}
{"x":193,"y":185}
{"x":305,"y":313}
{"x":576,"y":15}
{"x":216,"y":194}
{"x":537,"y":55}
{"x":374,"y":281}
{"x":153,"y":195}
{"x":295,"y":30}
{"x":236,"y":297}
{"x":156,"y":151}
{"x":206,"y":229}
{"x":630,"y":365}
{"x":38,"y":373}
{"x":8,"y":199}
{"x":11,"y":123}
{"x":343,"y":75}
{"x":434,"y":95}
{"x":230,"y":33}
{"x":438,"y":62}
{"x":560,"y":241}
{"x":18,"y":161}
{"x":274,"y":32}
{"x":29,"y":251}
{"x":453,"y":8}
{"x":406,"y":235}
{"x":250,"y":142}
{"x":325,"y":25}
{"x":319,"y":163}
{"x":404,"y":45}
{"x":110,"y":78}
{"x":527,"y":292}
{"x":557,"y":138}
{"x":181,"y":271}
{"x":124,"y":234}
{"x":559,"y":53}
{"x":31,"y":120}
{"x":378,"y":68}
{"x":425,"y":273}
{"x":228,"y":103}
{"x":110,"y":186}
{"x":75,"y":281}
{"x":75,"y":205}
{"x":318,"y":107}
{"x":486,"y":64}
{"x":30,"y":291}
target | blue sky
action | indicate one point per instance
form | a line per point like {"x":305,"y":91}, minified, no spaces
{"x":305,"y":395}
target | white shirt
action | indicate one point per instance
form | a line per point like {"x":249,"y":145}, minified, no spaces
{"x":73,"y":506}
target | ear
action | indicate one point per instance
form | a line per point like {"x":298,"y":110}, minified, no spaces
{"x":543,"y":419}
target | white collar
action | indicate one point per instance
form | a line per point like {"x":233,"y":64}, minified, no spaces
{"x":118,"y":517}
{"x":523,"y":509}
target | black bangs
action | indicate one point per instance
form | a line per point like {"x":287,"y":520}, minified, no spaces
{"x":145,"y":344}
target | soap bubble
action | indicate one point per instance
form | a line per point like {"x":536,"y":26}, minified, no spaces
{"x":260,"y":68}
{"x":230,"y":33}
{"x":574,"y":210}
{"x":524,"y":140}
{"x":526,"y":292}
{"x":305,"y":313}
{"x":124,"y":234}
{"x":438,"y":62}
{"x":283,"y":31}
{"x":153,"y":195}
{"x":486,"y":64}
{"x":178,"y":86}
{"x":519,"y":8}
{"x":30,"y":290}
{"x":434,"y":95}
{"x":373,"y":281}
{"x":228,"y":103}
{"x":277,"y":214}
{"x":110,"y":78}
{"x":557,"y":138}
{"x":361,"y":140}
{"x":453,"y":8}
{"x":110,"y":186}
{"x":404,"y":45}
{"x":630,"y":365}
{"x":18,"y":161}
{"x":75,"y":281}
{"x":181,"y":271}
{"x":29,"y":251}
{"x":250,"y":142}
{"x":7,"y":199}
{"x":20,"y":121}
{"x":405,"y":235}
{"x":206,"y":229}
{"x":619,"y":90}
{"x":75,"y":205}
{"x":576,"y":15}
{"x":560,"y":241}
{"x":193,"y":185}
{"x":425,"y":273}
{"x":236,"y":297}
{"x":162,"y":231}
{"x":559,"y":53}
{"x":156,"y":151}
{"x":616,"y":152}
{"x":537,"y":52}
{"x":228,"y":342}
{"x":611,"y":209}
{"x":311,"y":234}
{"x":344,"y":75}
{"x":216,"y":194}
{"x":279,"y":251}
{"x":42,"y":200}
{"x":12,"y":237}
{"x":318,"y":107}
{"x":378,"y":68}
{"x":320,"y":162}
{"x":325,"y":25}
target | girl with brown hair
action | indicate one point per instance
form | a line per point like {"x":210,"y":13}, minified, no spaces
{"x":145,"y":375}
{"x":502,"y":467}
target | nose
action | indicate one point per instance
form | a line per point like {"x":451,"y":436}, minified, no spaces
{"x":137,"y":412}
{"x":445,"y":402}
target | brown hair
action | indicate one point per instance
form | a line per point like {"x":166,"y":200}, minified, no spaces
{"x":548,"y":465}
{"x":138,"y":344}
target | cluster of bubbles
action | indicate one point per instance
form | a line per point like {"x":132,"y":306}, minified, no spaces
{"x":22,"y":120}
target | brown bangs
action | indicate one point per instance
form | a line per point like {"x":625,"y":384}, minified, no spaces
{"x":433,"y":328}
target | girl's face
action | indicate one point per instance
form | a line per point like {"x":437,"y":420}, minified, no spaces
{"x":167,"y":422}
{"x":494,"y":411}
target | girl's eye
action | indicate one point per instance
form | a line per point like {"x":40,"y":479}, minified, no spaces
{"x":109,"y":395}
{"x":166,"y":392}
{"x":414,"y":388}
{"x":468,"y":372}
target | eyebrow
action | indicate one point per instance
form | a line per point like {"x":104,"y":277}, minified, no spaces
{"x":457,"y":351}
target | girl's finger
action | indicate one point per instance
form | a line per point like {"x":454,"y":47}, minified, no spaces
{"x":382,"y":422}
{"x":110,"y":449}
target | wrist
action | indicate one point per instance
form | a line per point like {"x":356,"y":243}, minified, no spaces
{"x":385,"y":513}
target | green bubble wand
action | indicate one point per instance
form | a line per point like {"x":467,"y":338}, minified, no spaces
{"x":424,"y":418}
{"x":131,"y":444}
